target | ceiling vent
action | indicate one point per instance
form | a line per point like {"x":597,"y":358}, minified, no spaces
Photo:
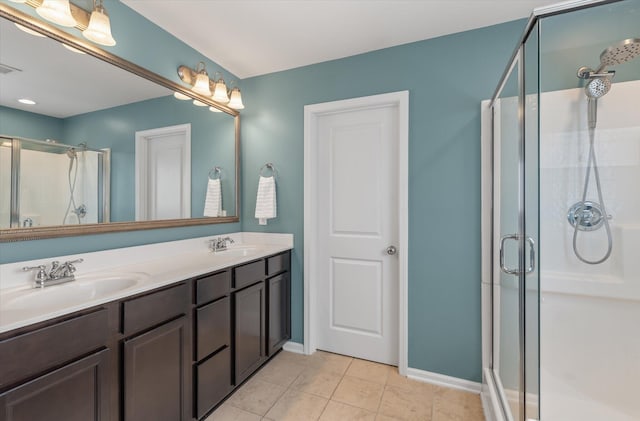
{"x":4,"y":69}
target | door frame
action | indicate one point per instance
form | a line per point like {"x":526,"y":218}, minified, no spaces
{"x":312,"y":112}
{"x":142,"y":162}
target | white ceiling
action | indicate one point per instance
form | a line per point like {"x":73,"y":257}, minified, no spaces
{"x":254,"y":37}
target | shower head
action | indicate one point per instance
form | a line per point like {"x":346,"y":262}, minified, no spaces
{"x":597,"y":87}
{"x":619,"y":53}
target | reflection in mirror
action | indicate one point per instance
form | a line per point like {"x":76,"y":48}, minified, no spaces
{"x":49,"y":183}
{"x":79,"y":101}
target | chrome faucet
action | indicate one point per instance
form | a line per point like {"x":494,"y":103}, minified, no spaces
{"x":220,"y":243}
{"x":58,"y":273}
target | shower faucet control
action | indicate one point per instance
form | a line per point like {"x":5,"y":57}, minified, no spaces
{"x":58,"y":273}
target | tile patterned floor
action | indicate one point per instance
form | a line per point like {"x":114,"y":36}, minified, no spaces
{"x":331,"y":387}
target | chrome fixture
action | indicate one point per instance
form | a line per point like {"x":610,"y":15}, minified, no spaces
{"x":586,"y":215}
{"x":201,"y":84}
{"x":27,"y":223}
{"x":220,"y":243}
{"x":95,"y":25}
{"x":79,"y":211}
{"x":57,"y":274}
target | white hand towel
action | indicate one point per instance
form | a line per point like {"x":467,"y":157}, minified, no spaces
{"x":213,"y":201}
{"x":266,"y":200}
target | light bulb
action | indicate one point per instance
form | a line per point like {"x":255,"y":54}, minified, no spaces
{"x":220,"y":93}
{"x":99,"y":29}
{"x":236,"y":99}
{"x":57,"y":11}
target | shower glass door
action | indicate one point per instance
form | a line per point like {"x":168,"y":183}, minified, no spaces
{"x":507,"y":358}
{"x":515,"y":362}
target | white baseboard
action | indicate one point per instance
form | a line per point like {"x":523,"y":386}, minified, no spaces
{"x":442,"y":380}
{"x":295,"y":347}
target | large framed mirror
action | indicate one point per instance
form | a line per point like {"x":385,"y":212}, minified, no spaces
{"x":106,"y":147}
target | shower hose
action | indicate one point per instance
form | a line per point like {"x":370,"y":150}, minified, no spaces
{"x":592,"y":161}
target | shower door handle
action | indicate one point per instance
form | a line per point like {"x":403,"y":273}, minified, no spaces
{"x":503,"y":267}
{"x":532,"y":255}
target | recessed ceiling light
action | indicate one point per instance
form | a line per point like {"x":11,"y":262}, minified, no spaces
{"x":27,"y":101}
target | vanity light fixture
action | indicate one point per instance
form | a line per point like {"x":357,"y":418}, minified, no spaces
{"x":99,"y":29}
{"x":214,"y":110}
{"x":201,"y":81}
{"x":18,"y":1}
{"x":199,"y":103}
{"x":57,"y":11}
{"x":221,"y":94}
{"x":236,"y":99}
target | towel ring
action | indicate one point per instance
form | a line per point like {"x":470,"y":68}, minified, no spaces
{"x":215,"y":173}
{"x":268,"y":166}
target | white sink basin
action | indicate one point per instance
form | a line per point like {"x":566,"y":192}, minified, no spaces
{"x":237,"y":251}
{"x":84,"y":289}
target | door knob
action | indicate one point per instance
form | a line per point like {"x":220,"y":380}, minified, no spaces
{"x":391,"y":250}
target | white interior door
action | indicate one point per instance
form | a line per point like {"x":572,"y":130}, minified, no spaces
{"x":357,"y":223}
{"x":163,"y":173}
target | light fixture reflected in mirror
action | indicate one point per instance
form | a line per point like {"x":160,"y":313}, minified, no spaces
{"x":214,"y":110}
{"x":221,"y":94}
{"x":57,"y":11}
{"x":29,"y":31}
{"x":18,"y":1}
{"x":99,"y":29}
{"x":75,"y":50}
{"x":181,"y":96}
{"x":199,"y":103}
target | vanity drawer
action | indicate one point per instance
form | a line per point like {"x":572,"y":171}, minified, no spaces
{"x":277,"y":263}
{"x":37,"y":351}
{"x":213,"y":381}
{"x":212,"y":287}
{"x":150,"y":310}
{"x":213,"y":327}
{"x":248,"y":274}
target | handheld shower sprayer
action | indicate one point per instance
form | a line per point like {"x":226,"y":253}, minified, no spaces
{"x":599,"y":81}
{"x":587,"y":215}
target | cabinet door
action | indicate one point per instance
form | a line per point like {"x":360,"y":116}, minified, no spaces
{"x":279,"y":312}
{"x":249,"y":330}
{"x":76,"y":392}
{"x":155,"y":374}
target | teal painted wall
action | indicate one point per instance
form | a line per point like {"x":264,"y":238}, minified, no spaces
{"x":446,"y":78}
{"x":20,"y":123}
{"x":139,"y":41}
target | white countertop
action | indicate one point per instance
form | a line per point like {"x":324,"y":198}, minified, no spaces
{"x":140,"y":269}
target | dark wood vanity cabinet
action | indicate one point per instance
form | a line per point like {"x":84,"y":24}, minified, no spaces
{"x":57,"y":370}
{"x":156,"y":356}
{"x":172,"y":354}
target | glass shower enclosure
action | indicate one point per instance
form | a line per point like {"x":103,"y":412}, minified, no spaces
{"x":561,"y":232}
{"x":47,"y":183}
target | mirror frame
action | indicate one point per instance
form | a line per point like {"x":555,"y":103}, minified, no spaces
{"x":36,"y":233}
